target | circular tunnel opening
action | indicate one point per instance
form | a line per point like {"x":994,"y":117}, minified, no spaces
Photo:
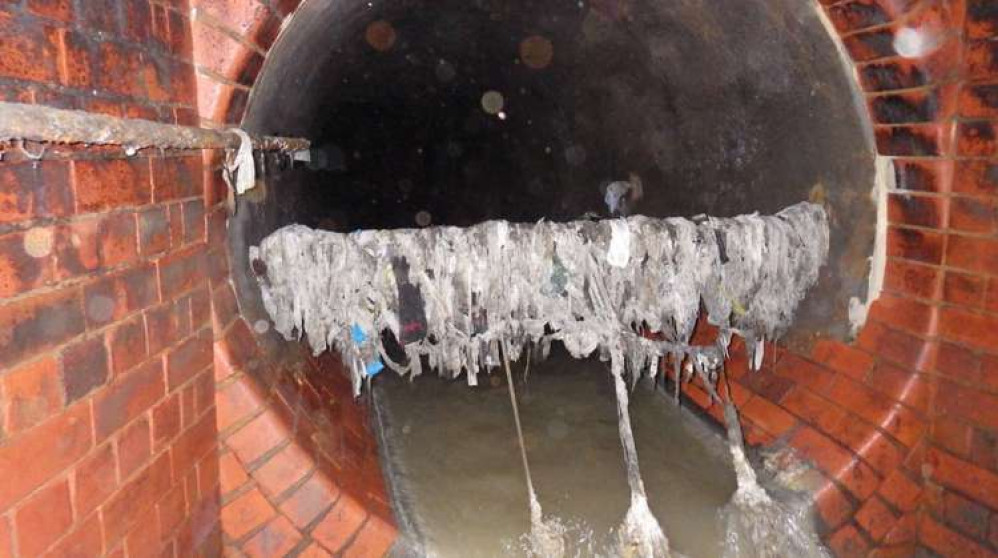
{"x":454,"y":112}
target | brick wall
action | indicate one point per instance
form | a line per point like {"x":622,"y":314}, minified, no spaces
{"x":299,"y":463}
{"x":109,"y":356}
{"x":107,"y":417}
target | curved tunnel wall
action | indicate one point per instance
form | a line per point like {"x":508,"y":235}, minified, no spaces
{"x":901,"y":422}
{"x":897,"y":421}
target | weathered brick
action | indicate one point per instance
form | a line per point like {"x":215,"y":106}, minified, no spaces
{"x":43,"y":519}
{"x":110,"y":184}
{"x":340,"y":524}
{"x":77,"y":248}
{"x":44,"y":451}
{"x":134,"y":447}
{"x":166,"y":421}
{"x":189,"y":358}
{"x":194,"y":444}
{"x":118,"y":240}
{"x":34,"y":190}
{"x":33,"y":393}
{"x":27,"y":50}
{"x":127,"y":345}
{"x":246,"y":513}
{"x":114,"y":297}
{"x":261,"y":435}
{"x":96,"y":478}
{"x":31,"y":326}
{"x":283,"y":470}
{"x":138,"y":495}
{"x":181,"y":271}
{"x":154,"y":231}
{"x":84,"y":368}
{"x":276,"y":538}
{"x":128,"y":397}
{"x":376,"y":537}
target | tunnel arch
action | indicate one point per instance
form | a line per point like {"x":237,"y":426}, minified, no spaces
{"x":888,"y":383}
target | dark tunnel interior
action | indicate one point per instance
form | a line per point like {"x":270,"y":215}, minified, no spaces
{"x":451,"y":112}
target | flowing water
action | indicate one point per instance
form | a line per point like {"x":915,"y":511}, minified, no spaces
{"x":459,"y":480}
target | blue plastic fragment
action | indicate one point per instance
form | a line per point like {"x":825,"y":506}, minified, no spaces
{"x":358,"y":334}
{"x":374,"y":368}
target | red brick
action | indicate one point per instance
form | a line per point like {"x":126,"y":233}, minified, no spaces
{"x":956,"y":362}
{"x":6,"y":539}
{"x":204,"y":392}
{"x":970,"y":328}
{"x":901,"y":313}
{"x":194,"y":444}
{"x":804,"y":372}
{"x":960,"y":475}
{"x":977,"y":139}
{"x":43,"y":519}
{"x":236,"y":401}
{"x":893,"y":345}
{"x":116,"y":296}
{"x":919,"y":245}
{"x":118,"y":240}
{"x":95,"y":480}
{"x":900,"y":491}
{"x":34,"y":190}
{"x":847,"y":542}
{"x":44,"y":451}
{"x":965,"y":515}
{"x":283,"y":470}
{"x":952,"y":434}
{"x":972,"y":215}
{"x":154,"y":231}
{"x":200,"y":303}
{"x":33,"y":393}
{"x":948,"y":543}
{"x":119,"y":70}
{"x":842,"y":358}
{"x":258,"y":437}
{"x":921,"y":211}
{"x":314,"y":551}
{"x":143,"y":540}
{"x":232,"y":475}
{"x":127,"y":344}
{"x":208,"y":471}
{"x":836,"y":461}
{"x":27,"y":50}
{"x":909,"y":388}
{"x":171,"y":511}
{"x":981,"y":59}
{"x":964,"y":289}
{"x":340,"y":524}
{"x":903,"y":532}
{"x":189,"y":358}
{"x":912,"y":140}
{"x":768,"y":416}
{"x":910,"y":278}
{"x":833,"y":505}
{"x":77,"y":248}
{"x":813,"y":409}
{"x":276,"y":538}
{"x":976,"y":178}
{"x":20,"y":271}
{"x":83,"y":542}
{"x":982,"y":20}
{"x":31,"y":326}
{"x":109,"y":184}
{"x":875,"y":518}
{"x":182,"y":271}
{"x":134,"y":447}
{"x":968,"y":404}
{"x":165,"y":325}
{"x":84,"y":368}
{"x":128,"y":397}
{"x":245,"y":514}
{"x":181,"y":43}
{"x":135,"y":497}
{"x":374,"y":539}
{"x":166,"y":421}
{"x":176,"y":178}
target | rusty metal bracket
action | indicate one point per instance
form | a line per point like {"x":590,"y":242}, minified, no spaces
{"x":19,"y":121}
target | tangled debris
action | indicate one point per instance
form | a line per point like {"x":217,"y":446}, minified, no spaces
{"x":450,"y":295}
{"x":454,"y":296}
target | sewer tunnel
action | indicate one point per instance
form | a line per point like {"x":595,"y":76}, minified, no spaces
{"x":129,"y":304}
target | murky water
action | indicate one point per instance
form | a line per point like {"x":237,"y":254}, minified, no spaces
{"x":457,"y":468}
